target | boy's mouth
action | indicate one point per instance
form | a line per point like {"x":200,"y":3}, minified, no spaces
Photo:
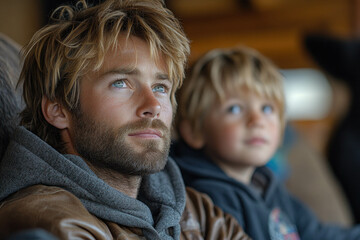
{"x":254,"y":141}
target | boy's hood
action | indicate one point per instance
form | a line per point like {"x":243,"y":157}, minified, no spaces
{"x":195,"y":165}
{"x":30,"y":161}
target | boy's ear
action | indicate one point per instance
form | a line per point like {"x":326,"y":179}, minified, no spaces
{"x":55,"y":113}
{"x":189,"y":137}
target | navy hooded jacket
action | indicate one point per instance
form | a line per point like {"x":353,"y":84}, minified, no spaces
{"x":269,"y":213}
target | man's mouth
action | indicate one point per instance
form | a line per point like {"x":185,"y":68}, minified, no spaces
{"x":147,"y":133}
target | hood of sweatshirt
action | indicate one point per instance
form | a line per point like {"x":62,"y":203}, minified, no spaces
{"x":29,"y":160}
{"x":195,"y":165}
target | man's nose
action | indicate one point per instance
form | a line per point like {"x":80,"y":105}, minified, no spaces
{"x":149,"y":106}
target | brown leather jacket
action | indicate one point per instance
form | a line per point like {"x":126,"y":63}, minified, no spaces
{"x":62,"y":214}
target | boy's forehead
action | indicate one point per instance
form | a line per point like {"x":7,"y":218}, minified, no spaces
{"x":243,"y":91}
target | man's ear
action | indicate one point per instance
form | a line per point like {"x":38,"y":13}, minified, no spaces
{"x":189,"y":137}
{"x":55,"y":113}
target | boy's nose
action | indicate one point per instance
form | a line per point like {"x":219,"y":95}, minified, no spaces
{"x":254,"y":118}
{"x":149,"y":105}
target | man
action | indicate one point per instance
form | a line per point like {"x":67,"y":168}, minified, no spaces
{"x":91,"y":161}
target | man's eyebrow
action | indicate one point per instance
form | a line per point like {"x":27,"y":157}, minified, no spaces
{"x":135,"y":71}
{"x":129,"y":71}
{"x":162,"y":76}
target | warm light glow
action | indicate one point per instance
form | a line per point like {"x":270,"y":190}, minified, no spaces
{"x":308,"y":94}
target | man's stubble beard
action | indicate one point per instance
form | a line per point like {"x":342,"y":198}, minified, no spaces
{"x":106,"y":148}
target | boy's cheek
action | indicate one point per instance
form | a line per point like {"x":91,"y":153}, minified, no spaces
{"x":230,"y":135}
{"x":277,"y":137}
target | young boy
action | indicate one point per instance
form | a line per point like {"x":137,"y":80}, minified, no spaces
{"x":230,"y":122}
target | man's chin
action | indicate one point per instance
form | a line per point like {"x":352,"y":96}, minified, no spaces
{"x":146,"y":168}
{"x":150,"y":171}
{"x":116,"y":150}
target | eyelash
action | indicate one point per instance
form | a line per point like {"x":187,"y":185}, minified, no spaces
{"x":124,"y":82}
{"x":232,"y":107}
{"x":268,"y":106}
{"x":239,"y":109}
{"x":166,"y":88}
{"x":120,"y":81}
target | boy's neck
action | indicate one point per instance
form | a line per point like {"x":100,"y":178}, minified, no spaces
{"x":240,"y":173}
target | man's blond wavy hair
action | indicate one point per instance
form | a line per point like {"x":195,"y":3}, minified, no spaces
{"x":222,"y":71}
{"x":76,"y":42}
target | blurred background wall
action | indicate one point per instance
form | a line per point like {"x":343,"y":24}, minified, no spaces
{"x":274,"y":27}
{"x":19,"y":19}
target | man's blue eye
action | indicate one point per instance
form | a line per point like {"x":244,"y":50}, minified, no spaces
{"x":159,"y":88}
{"x":234,"y":109}
{"x":119,"y":84}
{"x":267,"y":109}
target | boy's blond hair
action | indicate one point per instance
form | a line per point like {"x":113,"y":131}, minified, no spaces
{"x":221,"y":71}
{"x":76,"y":42}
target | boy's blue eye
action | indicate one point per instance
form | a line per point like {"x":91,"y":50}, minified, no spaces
{"x":234,"y":109}
{"x":268,"y":109}
{"x":119,"y":84}
{"x":159,"y":88}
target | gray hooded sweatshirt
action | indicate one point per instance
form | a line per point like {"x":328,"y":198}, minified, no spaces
{"x":161,"y":200}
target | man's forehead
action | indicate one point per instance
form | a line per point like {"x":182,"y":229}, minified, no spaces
{"x":130,"y":55}
{"x":130,"y":51}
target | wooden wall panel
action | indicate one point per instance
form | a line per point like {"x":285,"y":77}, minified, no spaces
{"x":19,"y":19}
{"x":277,"y":31}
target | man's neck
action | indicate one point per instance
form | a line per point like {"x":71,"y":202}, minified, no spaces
{"x":129,"y":185}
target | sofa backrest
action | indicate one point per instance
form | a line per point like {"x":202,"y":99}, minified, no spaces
{"x":10,"y":97}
